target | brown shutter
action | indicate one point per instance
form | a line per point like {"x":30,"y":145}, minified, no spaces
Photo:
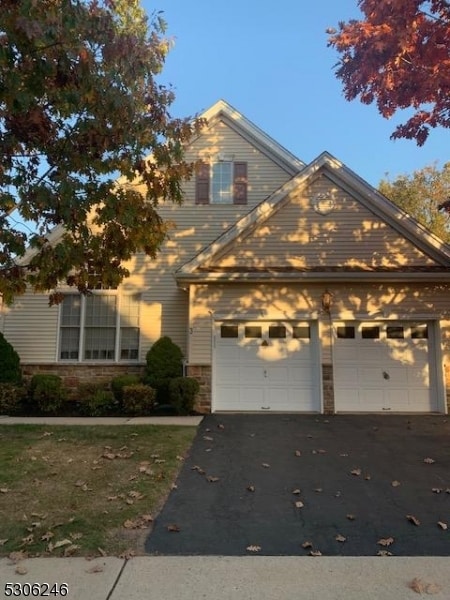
{"x":202,"y":183}
{"x":240,"y":183}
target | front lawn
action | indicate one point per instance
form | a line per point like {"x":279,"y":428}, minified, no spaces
{"x":85,"y":491}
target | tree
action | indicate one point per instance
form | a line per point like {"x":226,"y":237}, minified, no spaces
{"x":422,"y":195}
{"x":80,"y":105}
{"x":398,"y":56}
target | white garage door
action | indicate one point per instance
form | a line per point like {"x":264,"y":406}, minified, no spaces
{"x":383,"y":367}
{"x":265,"y":366}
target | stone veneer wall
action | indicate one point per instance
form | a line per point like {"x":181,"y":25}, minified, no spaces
{"x":203,"y":375}
{"x":75,"y":374}
{"x":328,"y":389}
{"x":447,"y":385}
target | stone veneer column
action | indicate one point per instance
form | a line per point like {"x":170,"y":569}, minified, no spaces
{"x":328,"y":389}
{"x":202,"y":373}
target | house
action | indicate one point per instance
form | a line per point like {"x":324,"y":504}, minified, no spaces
{"x":289,"y":287}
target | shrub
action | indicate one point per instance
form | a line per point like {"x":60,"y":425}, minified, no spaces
{"x":138,"y":399}
{"x":9,"y":363}
{"x":119,"y":382}
{"x":95,"y":400}
{"x":164,"y":362}
{"x":11,"y":398}
{"x":47,"y":392}
{"x":182,"y":393}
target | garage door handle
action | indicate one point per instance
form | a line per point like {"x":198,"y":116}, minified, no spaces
{"x":265,"y":407}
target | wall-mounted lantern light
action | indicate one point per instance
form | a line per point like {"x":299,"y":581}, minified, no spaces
{"x":327,"y":301}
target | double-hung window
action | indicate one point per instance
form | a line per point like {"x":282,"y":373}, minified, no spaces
{"x":221,"y":182}
{"x":101,"y":326}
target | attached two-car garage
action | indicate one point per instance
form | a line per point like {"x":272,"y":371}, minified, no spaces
{"x":276,"y":366}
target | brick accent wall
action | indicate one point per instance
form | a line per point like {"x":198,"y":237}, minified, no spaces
{"x":203,"y":375}
{"x":73,"y":374}
{"x":328,"y":389}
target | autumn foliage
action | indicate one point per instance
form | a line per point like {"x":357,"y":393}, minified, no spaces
{"x":80,"y":105}
{"x":397,"y":55}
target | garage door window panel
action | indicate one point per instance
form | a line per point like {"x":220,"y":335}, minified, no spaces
{"x":277,"y":331}
{"x":345,"y":332}
{"x":301,"y":332}
{"x":253,"y":331}
{"x":229,"y":331}
{"x":395,"y":332}
{"x":370,"y":333}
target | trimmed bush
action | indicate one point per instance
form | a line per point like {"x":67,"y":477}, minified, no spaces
{"x":164,"y":362}
{"x":96,"y":401}
{"x":48,"y":392}
{"x":119,"y":382}
{"x":182,"y":393}
{"x":11,"y":398}
{"x":9,"y":363}
{"x":138,"y":399}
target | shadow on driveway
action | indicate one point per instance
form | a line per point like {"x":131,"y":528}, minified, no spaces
{"x":280,"y":481}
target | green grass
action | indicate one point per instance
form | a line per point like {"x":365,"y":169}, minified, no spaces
{"x":95,"y":487}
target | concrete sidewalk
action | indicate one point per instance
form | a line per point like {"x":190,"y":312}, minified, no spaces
{"x":231,"y":578}
{"x":189,"y":421}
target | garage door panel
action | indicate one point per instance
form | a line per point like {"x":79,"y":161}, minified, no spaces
{"x":389,"y":372}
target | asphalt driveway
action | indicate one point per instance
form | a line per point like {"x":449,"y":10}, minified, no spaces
{"x":295,"y":484}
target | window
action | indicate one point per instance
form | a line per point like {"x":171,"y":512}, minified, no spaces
{"x":99,"y":327}
{"x":221,"y":182}
{"x":229,"y":331}
{"x":345,"y":332}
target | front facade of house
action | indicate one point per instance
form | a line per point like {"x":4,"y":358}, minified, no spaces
{"x":289,"y":287}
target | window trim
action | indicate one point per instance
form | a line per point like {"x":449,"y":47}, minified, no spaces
{"x":82,"y":327}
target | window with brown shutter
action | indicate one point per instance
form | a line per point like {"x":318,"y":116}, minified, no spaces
{"x":240,"y":183}
{"x":202,"y":183}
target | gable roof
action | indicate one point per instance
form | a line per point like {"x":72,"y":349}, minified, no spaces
{"x":222,"y":110}
{"x":406,"y":226}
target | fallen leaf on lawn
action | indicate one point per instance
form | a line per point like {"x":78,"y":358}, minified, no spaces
{"x":15,"y":557}
{"x":299,"y":504}
{"x":70,"y":550}
{"x":384,"y":553}
{"x":136,"y":495}
{"x":129,"y":501}
{"x":76,"y":536}
{"x":62,"y":543}
{"x":442,"y":525}
{"x":159,"y":461}
{"x":356,"y":472}
{"x":251,"y":488}
{"x":413,"y":519}
{"x":212,"y":479}
{"x":45,"y":434}
{"x":28,"y":540}
{"x":385,"y":541}
{"x":173,"y":527}
{"x":395,"y":483}
{"x":351,"y":517}
{"x":127,"y":554}
{"x":315,"y":553}
{"x":3,"y":542}
{"x":297,"y":491}
{"x":47,"y":536}
{"x":173,"y":486}
{"x":253,"y":548}
{"x":21,"y":570}
{"x":180,"y":458}
{"x":129,"y":524}
{"x":429,"y":461}
{"x":109,"y":455}
{"x":102,"y":552}
{"x":266,"y":465}
{"x":298,"y":453}
{"x":4,"y":490}
{"x":340,"y":538}
{"x":95,"y":569}
{"x":436,"y":490}
{"x":307,"y":545}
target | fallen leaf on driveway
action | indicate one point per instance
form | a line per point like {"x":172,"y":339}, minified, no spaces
{"x":208,"y":438}
{"x":436,"y":490}
{"x":296,"y":491}
{"x":429,"y":461}
{"x":367,"y":477}
{"x":318,"y":490}
{"x":173,"y":528}
{"x":384,"y":553}
{"x":253,"y":548}
{"x":212,"y":479}
{"x":385,"y":541}
{"x":299,"y":504}
{"x":340,"y":538}
{"x":95,"y":569}
{"x":266,"y":465}
{"x":220,"y":426}
{"x":315,"y":553}
{"x":298,"y":453}
{"x":356,"y":472}
{"x":307,"y":545}
{"x":351,"y":517}
{"x":442,"y":525}
{"x":251,"y":488}
{"x":21,"y":570}
{"x":414,"y":520}
{"x":395,"y":483}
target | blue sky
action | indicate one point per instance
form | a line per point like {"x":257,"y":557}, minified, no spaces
{"x":271,"y":62}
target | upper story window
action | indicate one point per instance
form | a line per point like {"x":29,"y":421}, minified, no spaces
{"x":221,"y":182}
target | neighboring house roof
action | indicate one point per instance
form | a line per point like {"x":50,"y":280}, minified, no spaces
{"x":201,"y":267}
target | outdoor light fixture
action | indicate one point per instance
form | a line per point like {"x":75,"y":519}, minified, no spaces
{"x":327,"y":299}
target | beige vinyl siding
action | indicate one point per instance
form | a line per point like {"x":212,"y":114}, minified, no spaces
{"x":297,"y":236}
{"x":31,"y":326}
{"x":264,"y":176}
{"x":296,"y":301}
